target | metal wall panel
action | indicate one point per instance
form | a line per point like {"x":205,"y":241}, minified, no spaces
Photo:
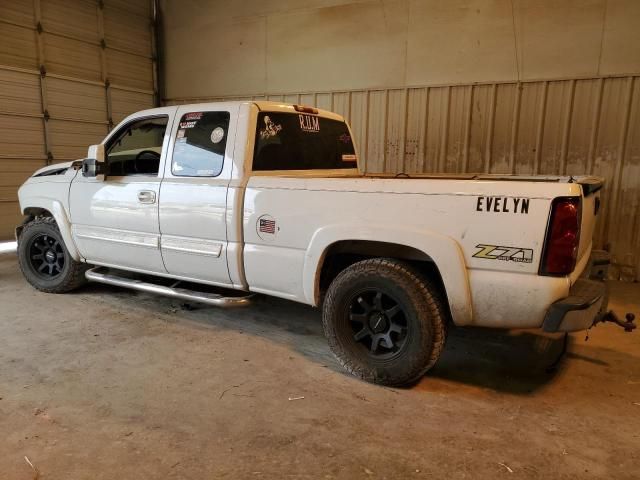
{"x":141,"y":8}
{"x":17,"y":12}
{"x":21,"y":137}
{"x":18,"y":46}
{"x":126,"y":70}
{"x":72,"y":58}
{"x":69,"y":70}
{"x":69,"y":99}
{"x":70,"y":139}
{"x":126,"y":31}
{"x":124,"y":102}
{"x":626,"y":226}
{"x":75,"y":19}
{"x":376,"y":125}
{"x":20,"y":92}
{"x":566,"y":126}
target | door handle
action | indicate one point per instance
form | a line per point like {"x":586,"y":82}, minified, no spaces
{"x":147,"y":196}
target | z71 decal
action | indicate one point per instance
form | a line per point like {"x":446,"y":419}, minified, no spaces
{"x":502,"y":205}
{"x":497,"y":252}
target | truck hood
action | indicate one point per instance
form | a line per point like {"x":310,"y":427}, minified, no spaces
{"x":55,"y":169}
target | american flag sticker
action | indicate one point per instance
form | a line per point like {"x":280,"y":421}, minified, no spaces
{"x":267,"y":226}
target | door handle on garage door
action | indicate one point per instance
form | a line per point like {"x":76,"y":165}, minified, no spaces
{"x":147,"y":196}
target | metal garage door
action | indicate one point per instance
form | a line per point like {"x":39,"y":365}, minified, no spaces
{"x":69,"y":71}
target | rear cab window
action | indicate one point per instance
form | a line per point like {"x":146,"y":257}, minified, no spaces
{"x":301,"y":141}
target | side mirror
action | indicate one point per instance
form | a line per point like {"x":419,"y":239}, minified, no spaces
{"x":92,"y":168}
{"x":97,"y":152}
{"x":94,"y":164}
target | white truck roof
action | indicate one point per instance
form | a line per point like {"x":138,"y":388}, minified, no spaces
{"x":263,"y":105}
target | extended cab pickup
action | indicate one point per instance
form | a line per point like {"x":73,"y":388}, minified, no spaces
{"x":216,"y":201}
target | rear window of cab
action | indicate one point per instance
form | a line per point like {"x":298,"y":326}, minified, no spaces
{"x":300,"y":141}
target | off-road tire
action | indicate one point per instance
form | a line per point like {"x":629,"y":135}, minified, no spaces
{"x":71,"y":275}
{"x":425,"y":313}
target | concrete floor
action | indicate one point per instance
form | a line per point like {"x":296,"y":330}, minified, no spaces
{"x":107,"y":383}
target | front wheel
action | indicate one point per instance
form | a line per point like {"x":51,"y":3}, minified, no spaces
{"x":44,"y":259}
{"x":384,"y":322}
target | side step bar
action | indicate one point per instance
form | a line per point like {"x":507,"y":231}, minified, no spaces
{"x":102,"y":275}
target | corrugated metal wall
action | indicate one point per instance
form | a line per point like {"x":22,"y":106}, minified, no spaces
{"x":564,"y":126}
{"x":69,"y":70}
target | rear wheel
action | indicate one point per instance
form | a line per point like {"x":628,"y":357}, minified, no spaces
{"x":384,"y":322}
{"x":44,"y":259}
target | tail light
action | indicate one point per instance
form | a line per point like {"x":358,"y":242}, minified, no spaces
{"x":563,"y":237}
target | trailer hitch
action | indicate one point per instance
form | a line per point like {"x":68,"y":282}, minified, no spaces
{"x":628,"y":325}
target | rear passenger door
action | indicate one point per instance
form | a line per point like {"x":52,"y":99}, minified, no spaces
{"x":193,"y":194}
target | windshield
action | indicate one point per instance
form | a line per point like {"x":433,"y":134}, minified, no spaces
{"x":297,"y":141}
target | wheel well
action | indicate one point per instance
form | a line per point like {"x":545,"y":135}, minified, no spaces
{"x":341,"y":255}
{"x":29,"y":214}
{"x":34,"y":212}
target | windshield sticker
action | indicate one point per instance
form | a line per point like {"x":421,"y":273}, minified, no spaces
{"x":193,"y":116}
{"x":502,"y":205}
{"x":344,"y":138}
{"x":270,"y":129}
{"x":217,"y":135}
{"x":497,"y":252}
{"x":309,"y":123}
{"x":188,"y":124}
{"x":348,"y":158}
{"x":180,"y":134}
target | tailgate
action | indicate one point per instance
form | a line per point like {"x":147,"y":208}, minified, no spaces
{"x":591,"y":188}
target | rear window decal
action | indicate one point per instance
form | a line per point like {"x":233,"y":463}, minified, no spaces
{"x":348,"y":158}
{"x":217,"y":135}
{"x":270,"y":128}
{"x":309,"y":123}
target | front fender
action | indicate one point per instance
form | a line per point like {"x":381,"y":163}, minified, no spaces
{"x":57,"y":211}
{"x":443,"y":250}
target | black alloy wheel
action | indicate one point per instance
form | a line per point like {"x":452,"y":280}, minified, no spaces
{"x":378,"y":322}
{"x":46,"y":256}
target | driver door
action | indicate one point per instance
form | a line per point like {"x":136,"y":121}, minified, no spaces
{"x":115,"y":218}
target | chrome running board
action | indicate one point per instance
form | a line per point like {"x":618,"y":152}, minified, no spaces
{"x":103,"y":275}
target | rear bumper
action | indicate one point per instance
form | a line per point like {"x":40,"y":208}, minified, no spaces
{"x":580,"y":310}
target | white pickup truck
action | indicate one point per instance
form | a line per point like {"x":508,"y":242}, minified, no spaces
{"x":213,"y":202}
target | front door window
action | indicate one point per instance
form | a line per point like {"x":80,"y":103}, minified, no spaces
{"x":137,"y":147}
